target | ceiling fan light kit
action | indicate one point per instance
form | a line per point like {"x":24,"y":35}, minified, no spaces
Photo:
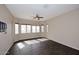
{"x":37,"y":17}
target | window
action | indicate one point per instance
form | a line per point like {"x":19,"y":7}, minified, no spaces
{"x":42,"y":28}
{"x":47,"y":27}
{"x":28,"y":28}
{"x":16,"y":28}
{"x":33,"y":29}
{"x":37,"y":29}
{"x":23,"y":28}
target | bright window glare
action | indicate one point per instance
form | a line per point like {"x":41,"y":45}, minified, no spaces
{"x":31,"y":42}
{"x":36,"y":41}
{"x":33,"y":29}
{"x":23,"y":28}
{"x":20,"y":45}
{"x":16,"y":28}
{"x":42,"y":39}
{"x":28,"y":28}
{"x":42,"y":28}
{"x":38,"y":29}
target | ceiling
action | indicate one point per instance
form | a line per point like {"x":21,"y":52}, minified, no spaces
{"x":27,"y":11}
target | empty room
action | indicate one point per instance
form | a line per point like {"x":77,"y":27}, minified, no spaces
{"x":39,"y":29}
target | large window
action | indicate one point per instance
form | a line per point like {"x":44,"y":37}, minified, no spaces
{"x":37,"y":29}
{"x":16,"y":28}
{"x":42,"y":28}
{"x":28,"y":28}
{"x":23,"y":28}
{"x":33,"y":29}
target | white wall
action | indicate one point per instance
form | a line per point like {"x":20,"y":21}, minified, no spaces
{"x":5,"y":39}
{"x":21,"y":36}
{"x":65,"y":29}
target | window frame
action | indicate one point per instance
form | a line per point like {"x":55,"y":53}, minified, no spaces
{"x":21,"y":29}
{"x":27,"y":28}
{"x":16,"y":29}
{"x":37,"y":31}
{"x":42,"y":28}
{"x":34,"y":29}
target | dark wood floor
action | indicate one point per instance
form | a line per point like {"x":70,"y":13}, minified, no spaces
{"x":41,"y":47}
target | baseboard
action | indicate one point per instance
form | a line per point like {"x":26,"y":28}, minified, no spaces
{"x":8,"y":49}
{"x":43,"y":37}
{"x":28,"y":39}
{"x":63,"y":44}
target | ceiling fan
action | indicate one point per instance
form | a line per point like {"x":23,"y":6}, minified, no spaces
{"x":37,"y":17}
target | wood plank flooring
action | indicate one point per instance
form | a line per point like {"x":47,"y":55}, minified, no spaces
{"x":40,"y":47}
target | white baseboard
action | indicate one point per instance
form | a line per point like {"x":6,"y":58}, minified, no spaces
{"x":63,"y":44}
{"x":8,"y":49}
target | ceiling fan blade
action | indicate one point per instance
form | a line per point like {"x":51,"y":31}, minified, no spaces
{"x":41,"y":17}
{"x":37,"y":17}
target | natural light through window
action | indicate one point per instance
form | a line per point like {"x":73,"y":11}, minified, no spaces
{"x":33,"y":29}
{"x":31,"y":42}
{"x":23,"y":28}
{"x":42,"y":39}
{"x":37,"y":29}
{"x":42,"y":28}
{"x":20,"y":45}
{"x":28,"y":28}
{"x":35,"y":41}
{"x":16,"y":28}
